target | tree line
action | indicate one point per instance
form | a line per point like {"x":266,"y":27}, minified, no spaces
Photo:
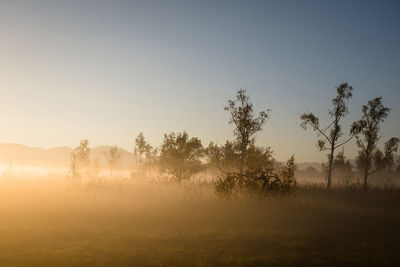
{"x":242,"y":167}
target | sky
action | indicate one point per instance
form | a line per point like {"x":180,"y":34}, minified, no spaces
{"x":107,"y":70}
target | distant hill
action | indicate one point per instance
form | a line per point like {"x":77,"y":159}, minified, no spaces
{"x":59,"y":156}
{"x":305,"y":165}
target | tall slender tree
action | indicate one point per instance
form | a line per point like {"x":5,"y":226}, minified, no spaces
{"x":247,"y":124}
{"x":140,"y":147}
{"x":367,"y":131}
{"x":330,"y":135}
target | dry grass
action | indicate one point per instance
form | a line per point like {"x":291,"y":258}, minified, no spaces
{"x":49,"y":222}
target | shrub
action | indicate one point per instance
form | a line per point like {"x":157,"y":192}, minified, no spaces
{"x":258,"y":184}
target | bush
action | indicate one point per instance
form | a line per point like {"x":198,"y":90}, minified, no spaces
{"x":258,"y":184}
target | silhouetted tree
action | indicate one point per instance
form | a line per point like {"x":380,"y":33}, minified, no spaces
{"x":140,"y":147}
{"x":151,"y":155}
{"x":113,"y":156}
{"x":391,"y":147}
{"x":246,"y":123}
{"x":181,"y":156}
{"x":230,"y":156}
{"x":80,"y":158}
{"x":367,"y":131}
{"x":223,"y":158}
{"x":342,"y":167}
{"x":398,"y":166}
{"x":331,"y":139}
{"x":288,"y":181}
{"x":259,"y":158}
{"x":144,"y":152}
{"x":214,"y":156}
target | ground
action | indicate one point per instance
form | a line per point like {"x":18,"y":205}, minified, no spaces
{"x":49,"y":223}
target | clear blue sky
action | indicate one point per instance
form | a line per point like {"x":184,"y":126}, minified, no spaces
{"x":107,"y":70}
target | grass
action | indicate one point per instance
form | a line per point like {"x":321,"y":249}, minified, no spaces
{"x":51,"y":223}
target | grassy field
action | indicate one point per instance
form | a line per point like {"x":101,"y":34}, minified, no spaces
{"x":47,"y":222}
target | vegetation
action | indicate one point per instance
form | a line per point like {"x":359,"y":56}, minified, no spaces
{"x":367,"y":131}
{"x":49,"y":224}
{"x":258,"y":183}
{"x":342,"y":168}
{"x":259,"y":175}
{"x":246,"y":123}
{"x":80,"y":158}
{"x":113,"y":156}
{"x":245,"y":209}
{"x":181,"y":156}
{"x":330,"y":135}
{"x":142,"y":148}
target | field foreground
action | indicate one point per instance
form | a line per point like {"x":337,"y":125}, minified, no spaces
{"x":47,"y":222}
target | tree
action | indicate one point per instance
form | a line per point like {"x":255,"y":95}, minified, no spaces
{"x":113,"y":156}
{"x":151,"y":155}
{"x":331,"y":139}
{"x":144,"y":152}
{"x":140,"y":146}
{"x":82,"y":153}
{"x":73,"y":168}
{"x":230,"y":156}
{"x":223,"y":158}
{"x":246,"y":123}
{"x":214,"y":156}
{"x":342,"y":167}
{"x":391,"y":147}
{"x":367,"y":132}
{"x":181,"y":156}
{"x":260,"y":158}
{"x":80,"y":158}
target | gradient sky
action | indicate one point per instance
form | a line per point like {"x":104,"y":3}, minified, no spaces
{"x":107,"y":70}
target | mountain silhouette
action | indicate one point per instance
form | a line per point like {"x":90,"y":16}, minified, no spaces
{"x":17,"y":154}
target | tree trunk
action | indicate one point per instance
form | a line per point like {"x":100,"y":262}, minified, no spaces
{"x":366,"y":171}
{"x":242,"y":159}
{"x":365,"y":185}
{"x":241,"y":165}
{"x":330,"y":166}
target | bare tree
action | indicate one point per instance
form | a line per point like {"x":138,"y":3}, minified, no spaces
{"x":113,"y":157}
{"x":181,"y":156}
{"x":367,"y":132}
{"x":246,"y":123}
{"x":329,"y":136}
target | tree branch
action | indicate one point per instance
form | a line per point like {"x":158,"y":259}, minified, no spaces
{"x":327,"y":138}
{"x":351,"y":137}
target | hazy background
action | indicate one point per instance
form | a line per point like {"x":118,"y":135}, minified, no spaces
{"x":107,"y":70}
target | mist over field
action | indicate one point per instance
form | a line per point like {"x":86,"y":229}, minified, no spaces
{"x":150,"y":221}
{"x":199,"y":133}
